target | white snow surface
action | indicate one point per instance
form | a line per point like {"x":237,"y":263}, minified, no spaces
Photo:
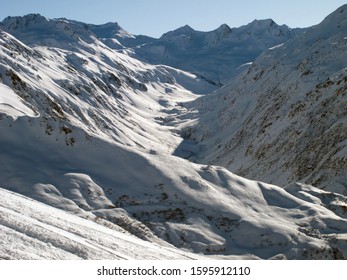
{"x":33,"y":230}
{"x":215,"y":55}
{"x":102,"y":136}
{"x":285,"y":118}
{"x":11,"y":104}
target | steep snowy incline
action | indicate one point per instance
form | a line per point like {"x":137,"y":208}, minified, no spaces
{"x":32,"y":230}
{"x":106,"y":93}
{"x":285,"y":119}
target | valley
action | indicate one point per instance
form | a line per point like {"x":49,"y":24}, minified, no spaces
{"x":129,"y":142}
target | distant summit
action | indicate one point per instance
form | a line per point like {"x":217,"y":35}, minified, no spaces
{"x":109,"y":30}
{"x":184,"y":30}
{"x":34,"y":29}
{"x":284,"y":118}
{"x":214,"y":55}
{"x":19,"y":23}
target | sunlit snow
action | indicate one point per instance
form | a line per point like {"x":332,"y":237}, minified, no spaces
{"x":105,"y":156}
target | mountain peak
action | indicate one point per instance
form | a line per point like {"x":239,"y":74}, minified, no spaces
{"x":223,"y":29}
{"x":217,"y":35}
{"x":184,"y":30}
{"x":109,"y":30}
{"x":263,"y":23}
{"x":33,"y":29}
{"x":18,"y":22}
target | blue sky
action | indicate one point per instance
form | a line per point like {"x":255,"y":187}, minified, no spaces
{"x":155,"y":17}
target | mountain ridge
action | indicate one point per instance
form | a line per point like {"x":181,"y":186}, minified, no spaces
{"x":287,"y":95}
{"x":215,"y":55}
{"x":92,"y":130}
{"x":223,"y":50}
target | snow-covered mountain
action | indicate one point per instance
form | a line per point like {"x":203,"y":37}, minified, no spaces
{"x":99,"y":134}
{"x":216,"y":55}
{"x":285,"y":119}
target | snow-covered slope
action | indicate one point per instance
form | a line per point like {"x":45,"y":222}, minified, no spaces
{"x":32,"y":230}
{"x":215,"y":55}
{"x":204,"y":209}
{"x":90,"y":86}
{"x":94,"y":132}
{"x":285,"y":119}
{"x":37,"y":29}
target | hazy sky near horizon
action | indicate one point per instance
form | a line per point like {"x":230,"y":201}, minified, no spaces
{"x":155,"y":17}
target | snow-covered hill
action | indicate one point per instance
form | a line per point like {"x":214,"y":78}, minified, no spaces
{"x":285,"y":119}
{"x":90,"y":130}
